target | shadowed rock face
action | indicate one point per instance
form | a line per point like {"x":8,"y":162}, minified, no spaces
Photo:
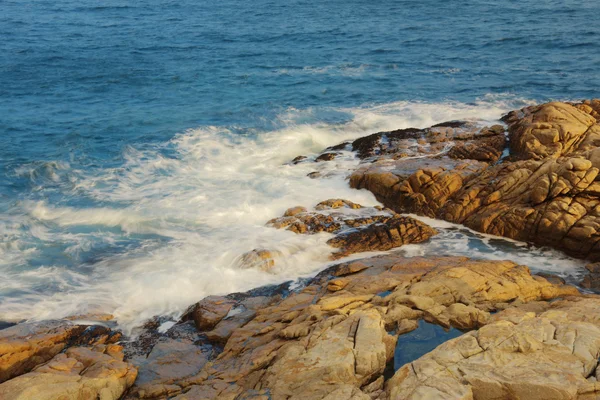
{"x":334,"y":338}
{"x":547,"y":191}
{"x":367,"y":229}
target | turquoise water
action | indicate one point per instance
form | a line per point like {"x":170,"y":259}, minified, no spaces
{"x":142,"y":144}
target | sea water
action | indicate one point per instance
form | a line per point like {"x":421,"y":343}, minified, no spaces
{"x":143,"y":145}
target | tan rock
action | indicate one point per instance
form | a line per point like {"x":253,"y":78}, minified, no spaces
{"x":322,"y":344}
{"x":24,"y":346}
{"x":548,"y":356}
{"x":80,"y":373}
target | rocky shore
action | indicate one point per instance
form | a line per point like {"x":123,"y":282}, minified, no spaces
{"x":485,"y":329}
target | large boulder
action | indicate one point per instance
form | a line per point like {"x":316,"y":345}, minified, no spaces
{"x":547,"y":191}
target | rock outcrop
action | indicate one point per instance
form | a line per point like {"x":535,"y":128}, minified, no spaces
{"x":335,"y":338}
{"x":357,"y":228}
{"x":79,"y":373}
{"x":520,"y":354}
{"x":545,"y":192}
{"x":61,"y":360}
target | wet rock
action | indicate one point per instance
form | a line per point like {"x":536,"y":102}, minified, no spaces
{"x":207,"y":313}
{"x":554,"y":279}
{"x":592,"y":279}
{"x":98,"y":372}
{"x":369,"y":229}
{"x":488,"y":146}
{"x":290,"y":212}
{"x":546,"y":192}
{"x":298,"y":159}
{"x":460,"y":139}
{"x":259,"y":259}
{"x":326,"y":157}
{"x":384,"y":235}
{"x":337,"y":203}
{"x":170,"y":361}
{"x":5,"y":324}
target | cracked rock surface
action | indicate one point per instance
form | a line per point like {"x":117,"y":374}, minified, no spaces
{"x":547,"y":191}
{"x":334,"y":338}
{"x":357,"y":228}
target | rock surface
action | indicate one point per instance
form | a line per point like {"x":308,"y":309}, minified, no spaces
{"x":334,"y":338}
{"x":546,"y":192}
{"x":79,"y":373}
{"x":358,"y":229}
{"x":518,"y":355}
{"x":62,"y":360}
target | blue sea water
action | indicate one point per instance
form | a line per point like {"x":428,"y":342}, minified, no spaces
{"x":142,"y":143}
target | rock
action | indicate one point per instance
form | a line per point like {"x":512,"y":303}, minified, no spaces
{"x":79,"y":373}
{"x":169,"y":361}
{"x":209,"y":312}
{"x":357,"y":228}
{"x":459,"y":138}
{"x":548,"y":130}
{"x":322,"y":344}
{"x":298,"y":159}
{"x":24,"y":346}
{"x":592,"y":279}
{"x":326,"y":157}
{"x":554,"y":279}
{"x":546,"y":192}
{"x":290,"y":212}
{"x":385,"y":235}
{"x":337,"y":203}
{"x":259,"y":259}
{"x":545,"y":356}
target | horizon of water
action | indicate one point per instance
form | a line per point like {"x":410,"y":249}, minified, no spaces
{"x":143,"y":148}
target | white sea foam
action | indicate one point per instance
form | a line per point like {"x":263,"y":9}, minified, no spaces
{"x":172,"y":221}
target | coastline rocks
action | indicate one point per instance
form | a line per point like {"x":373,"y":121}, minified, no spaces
{"x":79,"y":373}
{"x":24,"y":346}
{"x":520,"y":355}
{"x":35,"y":365}
{"x":467,"y":139}
{"x":549,"y":196}
{"x":359,"y":229}
{"x":334,"y":338}
{"x":383,"y":235}
{"x":551,"y":130}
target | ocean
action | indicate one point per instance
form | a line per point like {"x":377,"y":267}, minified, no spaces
{"x":144,"y":145}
